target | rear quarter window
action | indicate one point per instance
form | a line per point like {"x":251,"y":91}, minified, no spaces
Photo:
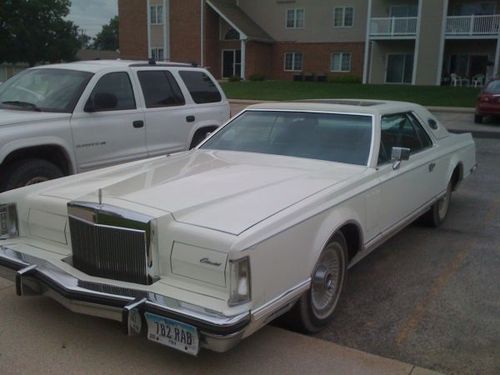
{"x":201,"y":87}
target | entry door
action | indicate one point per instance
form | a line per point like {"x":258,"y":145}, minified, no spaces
{"x":399,"y":68}
{"x":478,"y":65}
{"x":231,"y":63}
{"x":416,"y":181}
{"x":111,"y":134}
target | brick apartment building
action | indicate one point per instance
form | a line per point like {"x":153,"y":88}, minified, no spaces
{"x":424,"y":42}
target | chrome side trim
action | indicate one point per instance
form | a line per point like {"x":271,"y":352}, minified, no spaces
{"x":395,"y":229}
{"x":270,"y":308}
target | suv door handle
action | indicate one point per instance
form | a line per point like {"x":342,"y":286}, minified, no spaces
{"x":138,"y":124}
{"x":190,"y":118}
{"x":431,"y":166}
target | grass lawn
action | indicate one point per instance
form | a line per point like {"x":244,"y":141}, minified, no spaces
{"x":288,"y":90}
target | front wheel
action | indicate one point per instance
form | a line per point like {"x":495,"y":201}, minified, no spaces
{"x":315,"y":308}
{"x":478,"y":119}
{"x":28,"y":172}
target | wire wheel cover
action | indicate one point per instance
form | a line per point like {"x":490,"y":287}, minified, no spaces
{"x":327,"y":280}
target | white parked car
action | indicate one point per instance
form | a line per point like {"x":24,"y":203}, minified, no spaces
{"x":203,"y":248}
{"x":61,"y":119}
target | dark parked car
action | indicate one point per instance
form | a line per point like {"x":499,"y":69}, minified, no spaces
{"x":488,"y":102}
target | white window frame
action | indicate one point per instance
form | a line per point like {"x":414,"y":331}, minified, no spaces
{"x":294,"y":56}
{"x":154,"y":17}
{"x":343,"y":25}
{"x":295,"y":19}
{"x":155,"y":53}
{"x":342,"y":55}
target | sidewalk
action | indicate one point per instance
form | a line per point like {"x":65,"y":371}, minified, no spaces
{"x":37,"y":335}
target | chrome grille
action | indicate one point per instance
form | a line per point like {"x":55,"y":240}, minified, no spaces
{"x":108,"y":251}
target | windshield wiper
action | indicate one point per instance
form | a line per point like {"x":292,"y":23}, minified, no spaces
{"x":24,"y":105}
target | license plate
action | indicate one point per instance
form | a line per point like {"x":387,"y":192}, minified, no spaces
{"x":172,"y":333}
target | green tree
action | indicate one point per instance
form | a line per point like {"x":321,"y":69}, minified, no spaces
{"x":34,"y":31}
{"x":84,"y":39}
{"x":107,"y":38}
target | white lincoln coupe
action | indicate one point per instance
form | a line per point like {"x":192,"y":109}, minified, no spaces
{"x":202,"y":248}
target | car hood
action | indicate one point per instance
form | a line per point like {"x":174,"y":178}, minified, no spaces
{"x":221,"y":190}
{"x":12,"y":117}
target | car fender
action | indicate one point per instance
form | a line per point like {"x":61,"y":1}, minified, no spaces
{"x":23,"y":143}
{"x":335,"y":218}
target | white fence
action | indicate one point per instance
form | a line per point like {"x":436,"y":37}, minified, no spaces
{"x":472,"y":25}
{"x":393,"y":26}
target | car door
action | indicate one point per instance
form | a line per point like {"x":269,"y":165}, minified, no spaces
{"x":109,"y":128}
{"x":408,"y":188}
{"x":168,"y":121}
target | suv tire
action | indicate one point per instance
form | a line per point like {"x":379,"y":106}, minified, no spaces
{"x":28,"y":172}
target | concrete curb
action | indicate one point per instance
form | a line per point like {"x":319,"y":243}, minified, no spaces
{"x":431,"y":108}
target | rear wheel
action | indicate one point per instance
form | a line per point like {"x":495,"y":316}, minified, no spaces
{"x":199,"y":136}
{"x":439,"y":210}
{"x":478,"y":119}
{"x":28,"y":172}
{"x":315,"y":308}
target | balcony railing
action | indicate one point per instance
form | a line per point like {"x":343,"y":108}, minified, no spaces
{"x":393,"y":27}
{"x":472,"y":25}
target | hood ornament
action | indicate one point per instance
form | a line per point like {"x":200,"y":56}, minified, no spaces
{"x":99,"y":194}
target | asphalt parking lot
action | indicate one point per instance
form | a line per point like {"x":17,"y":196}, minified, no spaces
{"x":432,"y":296}
{"x":429,"y":297}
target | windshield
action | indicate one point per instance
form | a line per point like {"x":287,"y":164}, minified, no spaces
{"x":324,"y":136}
{"x":48,"y":90}
{"x":493,"y":87}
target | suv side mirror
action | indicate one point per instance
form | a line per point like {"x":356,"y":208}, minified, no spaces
{"x":398,"y":154}
{"x":102,"y":101}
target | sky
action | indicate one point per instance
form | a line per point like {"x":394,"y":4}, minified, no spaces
{"x":90,"y":15}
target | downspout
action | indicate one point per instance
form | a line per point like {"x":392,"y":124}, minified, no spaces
{"x":202,"y":32}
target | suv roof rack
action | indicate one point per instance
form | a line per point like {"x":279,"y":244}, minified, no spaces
{"x":152,"y":62}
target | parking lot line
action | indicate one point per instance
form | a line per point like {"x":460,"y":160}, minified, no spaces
{"x":411,"y":324}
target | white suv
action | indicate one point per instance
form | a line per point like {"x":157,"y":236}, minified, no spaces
{"x":61,"y":119}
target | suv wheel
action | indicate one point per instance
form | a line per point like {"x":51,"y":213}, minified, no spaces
{"x":28,"y":172}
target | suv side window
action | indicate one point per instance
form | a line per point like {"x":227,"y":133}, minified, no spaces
{"x":201,"y":87}
{"x":401,"y":130}
{"x":113,"y":93}
{"x":160,"y":89}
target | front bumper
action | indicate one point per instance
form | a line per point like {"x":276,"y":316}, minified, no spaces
{"x":35,"y":276}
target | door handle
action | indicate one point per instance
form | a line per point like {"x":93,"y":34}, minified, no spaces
{"x":431,"y":166}
{"x":190,"y":118}
{"x":138,"y":124}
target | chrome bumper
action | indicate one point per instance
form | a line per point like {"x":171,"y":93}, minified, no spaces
{"x":35,"y":276}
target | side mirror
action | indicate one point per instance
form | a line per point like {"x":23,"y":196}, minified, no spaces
{"x":398,"y":154}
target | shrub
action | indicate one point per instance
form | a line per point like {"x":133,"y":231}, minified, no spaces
{"x":257,"y":77}
{"x":344,"y":79}
{"x":234,"y":79}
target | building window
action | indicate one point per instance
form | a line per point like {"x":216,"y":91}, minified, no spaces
{"x":232,"y":34}
{"x":157,"y":54}
{"x":294,"y":61}
{"x":295,"y":18}
{"x":343,"y":17}
{"x":156,"y":14}
{"x":340,"y":62}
